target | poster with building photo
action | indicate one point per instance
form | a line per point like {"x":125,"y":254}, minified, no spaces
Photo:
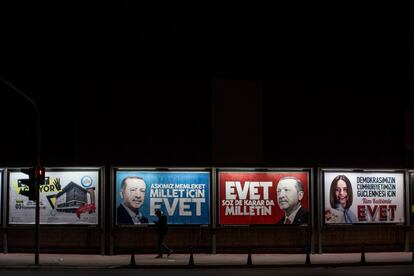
{"x":183,"y":196}
{"x":363,"y":197}
{"x":264,"y":197}
{"x":66,"y":197}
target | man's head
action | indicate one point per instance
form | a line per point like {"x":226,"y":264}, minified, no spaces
{"x":289,"y":194}
{"x":158,"y":212}
{"x":133,"y":192}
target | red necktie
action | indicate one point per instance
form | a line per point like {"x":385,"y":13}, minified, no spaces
{"x":287,"y":221}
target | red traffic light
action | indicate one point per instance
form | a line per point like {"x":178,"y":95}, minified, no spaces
{"x":36,"y":178}
{"x":40,"y":174}
{"x":29,"y":184}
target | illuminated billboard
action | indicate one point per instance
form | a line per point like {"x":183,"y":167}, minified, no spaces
{"x":1,"y":196}
{"x":183,"y":196}
{"x":270,"y":197}
{"x":412,"y":196}
{"x":66,"y":197}
{"x":363,"y":197}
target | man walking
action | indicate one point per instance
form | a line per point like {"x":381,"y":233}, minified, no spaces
{"x":162,"y":228}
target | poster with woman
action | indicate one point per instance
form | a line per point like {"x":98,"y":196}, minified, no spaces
{"x":363,"y":197}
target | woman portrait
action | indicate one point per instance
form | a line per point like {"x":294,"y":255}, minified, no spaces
{"x":340,"y":199}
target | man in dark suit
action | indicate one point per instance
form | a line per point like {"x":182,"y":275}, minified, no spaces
{"x":162,"y":227}
{"x":289,"y":195}
{"x":133,"y":195}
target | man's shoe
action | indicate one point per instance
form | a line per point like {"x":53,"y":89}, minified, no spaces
{"x":169,"y":252}
{"x":158,"y":257}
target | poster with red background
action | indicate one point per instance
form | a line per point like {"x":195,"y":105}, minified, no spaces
{"x":251,"y":197}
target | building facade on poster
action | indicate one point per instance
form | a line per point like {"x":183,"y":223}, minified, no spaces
{"x":66,"y":197}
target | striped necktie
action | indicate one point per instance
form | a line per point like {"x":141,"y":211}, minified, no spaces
{"x":347,"y":216}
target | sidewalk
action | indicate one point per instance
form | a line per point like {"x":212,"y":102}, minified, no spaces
{"x":17,"y":260}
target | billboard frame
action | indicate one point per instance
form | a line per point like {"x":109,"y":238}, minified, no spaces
{"x":270,"y":170}
{"x":100,"y":198}
{"x":321,"y":201}
{"x":321,"y":204}
{"x":410,"y":198}
{"x":2,"y":196}
{"x":115,"y":169}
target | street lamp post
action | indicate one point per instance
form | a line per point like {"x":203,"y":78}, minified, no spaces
{"x":37,"y":164}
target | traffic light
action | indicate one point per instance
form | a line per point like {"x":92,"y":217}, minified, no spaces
{"x":36,"y":174}
{"x":29,"y":189}
{"x":40,"y":175}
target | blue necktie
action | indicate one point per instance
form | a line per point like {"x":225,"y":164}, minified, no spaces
{"x":347,"y":216}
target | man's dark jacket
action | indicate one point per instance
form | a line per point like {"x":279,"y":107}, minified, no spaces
{"x":302,"y":217}
{"x":123,"y":217}
{"x":162,"y":225}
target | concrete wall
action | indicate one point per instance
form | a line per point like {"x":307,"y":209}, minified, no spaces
{"x":262,"y":239}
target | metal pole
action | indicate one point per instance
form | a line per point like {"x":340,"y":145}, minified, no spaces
{"x":37,"y":230}
{"x":408,"y":208}
{"x":37,"y":163}
{"x":4,"y":199}
{"x":311,"y":228}
{"x":214,"y":225}
{"x":320,"y":210}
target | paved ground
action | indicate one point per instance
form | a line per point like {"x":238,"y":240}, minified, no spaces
{"x":201,"y":260}
{"x":371,"y":270}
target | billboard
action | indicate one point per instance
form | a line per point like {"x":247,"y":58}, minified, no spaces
{"x":66,"y":197}
{"x":411,"y":210}
{"x":1,"y":196}
{"x":183,"y":196}
{"x":264,"y":197}
{"x":363,"y":197}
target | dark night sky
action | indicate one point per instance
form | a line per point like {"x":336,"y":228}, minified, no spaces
{"x":130,"y":83}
